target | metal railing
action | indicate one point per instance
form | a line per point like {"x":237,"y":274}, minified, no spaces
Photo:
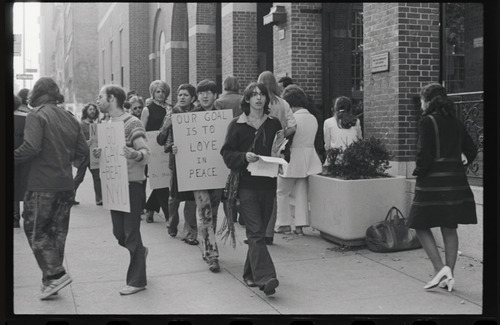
{"x":470,"y":110}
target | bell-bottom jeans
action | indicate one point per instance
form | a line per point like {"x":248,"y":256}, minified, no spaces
{"x":256,"y":207}
{"x":126,"y":228}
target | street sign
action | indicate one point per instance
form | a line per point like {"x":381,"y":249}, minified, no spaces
{"x":24,"y":76}
{"x":32,"y":70}
{"x":17,"y":44}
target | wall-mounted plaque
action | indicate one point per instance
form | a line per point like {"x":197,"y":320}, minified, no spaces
{"x":380,"y":62}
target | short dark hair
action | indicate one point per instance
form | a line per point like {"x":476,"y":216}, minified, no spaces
{"x":206,"y":85}
{"x":285,"y":81}
{"x":247,"y":94}
{"x":23,"y":95}
{"x":117,"y":92}
{"x":45,"y":90}
{"x":85,"y":110}
{"x":190,"y":89}
{"x":295,"y":96}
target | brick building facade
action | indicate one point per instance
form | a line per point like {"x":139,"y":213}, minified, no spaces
{"x":326,"y":48}
{"x":68,"y":33}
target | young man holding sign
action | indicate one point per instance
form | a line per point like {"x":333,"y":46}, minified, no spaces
{"x":126,"y":225}
{"x":207,"y":201}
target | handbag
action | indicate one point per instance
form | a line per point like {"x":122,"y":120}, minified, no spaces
{"x":392,"y":234}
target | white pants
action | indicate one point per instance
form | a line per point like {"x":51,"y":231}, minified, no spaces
{"x":287,"y":186}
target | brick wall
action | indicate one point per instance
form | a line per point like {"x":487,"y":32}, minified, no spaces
{"x":299,"y":54}
{"x":202,"y":46}
{"x":178,"y":50}
{"x":239,"y":45}
{"x":410,"y":33}
{"x":85,"y":63}
{"x":138,"y":63}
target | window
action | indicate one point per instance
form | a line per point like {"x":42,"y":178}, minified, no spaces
{"x":462,"y":71}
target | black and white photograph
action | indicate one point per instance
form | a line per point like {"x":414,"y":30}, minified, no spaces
{"x":250,"y":159}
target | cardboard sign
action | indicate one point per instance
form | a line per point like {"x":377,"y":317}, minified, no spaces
{"x":159,"y":173}
{"x":199,"y":137}
{"x":94,"y":162}
{"x":113,"y":166}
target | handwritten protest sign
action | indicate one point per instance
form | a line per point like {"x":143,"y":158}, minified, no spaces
{"x":94,"y":162}
{"x":158,"y":170}
{"x":113,"y":166}
{"x":199,"y":137}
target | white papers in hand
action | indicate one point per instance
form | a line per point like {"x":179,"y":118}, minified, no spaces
{"x":266,"y":166}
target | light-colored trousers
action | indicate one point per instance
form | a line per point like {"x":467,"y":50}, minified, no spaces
{"x":296,"y":187}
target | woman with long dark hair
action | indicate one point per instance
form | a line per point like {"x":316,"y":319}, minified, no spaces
{"x":443,"y":197}
{"x":343,"y":127}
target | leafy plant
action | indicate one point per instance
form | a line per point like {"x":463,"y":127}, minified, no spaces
{"x":366,"y":158}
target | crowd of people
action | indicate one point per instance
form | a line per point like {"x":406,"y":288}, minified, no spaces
{"x":49,"y":142}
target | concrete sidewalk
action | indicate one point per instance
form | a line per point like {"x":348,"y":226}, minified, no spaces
{"x":316,"y":276}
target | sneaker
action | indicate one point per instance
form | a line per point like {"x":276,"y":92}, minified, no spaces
{"x":129,"y":290}
{"x":54,"y":286}
{"x":98,"y":202}
{"x":213,"y":265}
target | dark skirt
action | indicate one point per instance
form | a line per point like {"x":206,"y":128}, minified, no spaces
{"x":443,"y":197}
{"x":174,"y":185}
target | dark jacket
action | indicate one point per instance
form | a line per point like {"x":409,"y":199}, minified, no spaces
{"x":52,"y":139}
{"x":239,"y":139}
{"x":453,"y":141}
{"x":20,"y":170}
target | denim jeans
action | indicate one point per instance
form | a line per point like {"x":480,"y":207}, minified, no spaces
{"x":256,"y":207}
{"x":46,"y":222}
{"x":126,"y":228}
{"x":190,"y":228}
{"x":207,"y":204}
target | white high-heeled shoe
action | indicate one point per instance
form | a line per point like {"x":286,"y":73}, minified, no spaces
{"x":444,"y":273}
{"x":447,"y":283}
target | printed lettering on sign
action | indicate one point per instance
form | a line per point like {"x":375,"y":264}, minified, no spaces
{"x":113,"y":166}
{"x":158,"y":170}
{"x":94,"y":162}
{"x":199,"y":137}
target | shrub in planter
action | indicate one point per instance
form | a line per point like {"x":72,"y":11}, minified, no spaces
{"x":366,"y":158}
{"x":354,"y":192}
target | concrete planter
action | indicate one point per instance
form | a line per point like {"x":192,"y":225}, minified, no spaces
{"x":342,"y":210}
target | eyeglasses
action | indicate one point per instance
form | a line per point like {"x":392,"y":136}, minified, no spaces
{"x":137,"y":107}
